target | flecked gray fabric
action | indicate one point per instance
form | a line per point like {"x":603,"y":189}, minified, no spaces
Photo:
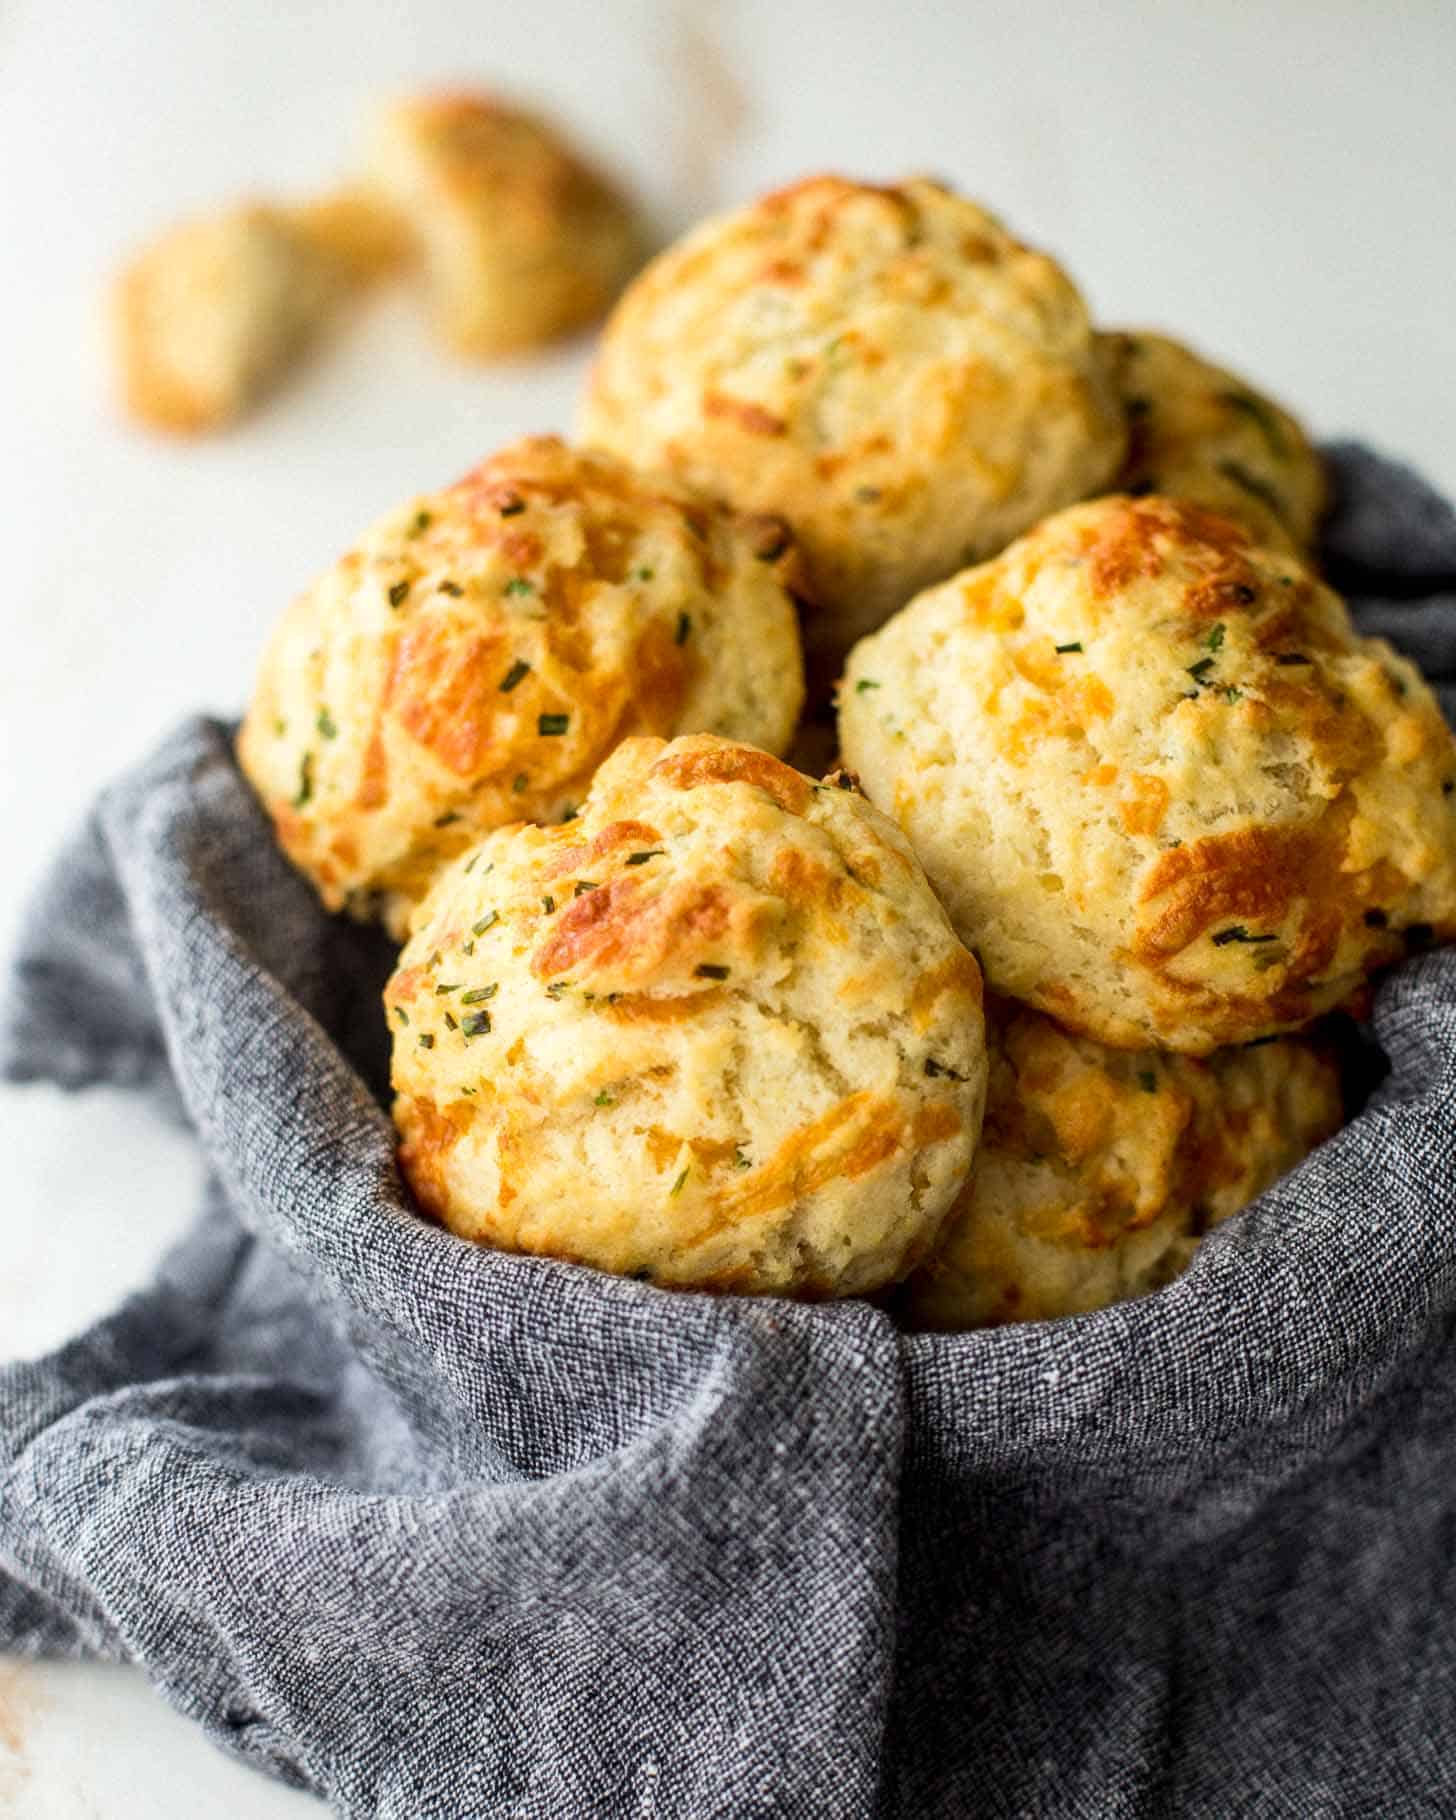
{"x":438,"y":1532}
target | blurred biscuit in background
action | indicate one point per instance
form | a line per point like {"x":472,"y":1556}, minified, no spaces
{"x":483,"y":649}
{"x":364,"y":239}
{"x":716,"y":1032}
{"x":209,"y":318}
{"x":520,"y":240}
{"x":1100,"y":1169}
{"x":517,"y":241}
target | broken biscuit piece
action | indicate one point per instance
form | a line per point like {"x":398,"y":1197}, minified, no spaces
{"x":210,"y":317}
{"x":521,"y":240}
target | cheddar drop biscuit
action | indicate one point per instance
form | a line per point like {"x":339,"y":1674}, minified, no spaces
{"x":716,"y":1032}
{"x":909,"y":385}
{"x":521,"y":240}
{"x":481,"y":651}
{"x":1164,"y":790}
{"x":1100,"y":1169}
{"x":1202,"y":434}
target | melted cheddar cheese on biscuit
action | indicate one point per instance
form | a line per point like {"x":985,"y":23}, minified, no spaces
{"x":1099,"y":1170}
{"x":480,"y":652}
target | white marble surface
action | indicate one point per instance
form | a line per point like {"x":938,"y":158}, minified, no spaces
{"x":1273,"y":181}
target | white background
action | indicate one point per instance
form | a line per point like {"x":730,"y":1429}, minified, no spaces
{"x":1275,"y":182}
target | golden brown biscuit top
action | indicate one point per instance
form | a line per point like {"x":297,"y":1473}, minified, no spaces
{"x":796,"y":307}
{"x":1247,"y":801}
{"x":897,"y":236}
{"x":1127,"y":607}
{"x":472,"y":661}
{"x":688,"y":868}
{"x":885,"y":364}
{"x":695,"y":866}
{"x":724,"y":991}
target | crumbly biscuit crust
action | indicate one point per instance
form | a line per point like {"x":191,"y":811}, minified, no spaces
{"x":210,"y":316}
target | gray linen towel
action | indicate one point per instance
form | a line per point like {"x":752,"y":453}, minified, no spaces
{"x":439,"y":1532}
